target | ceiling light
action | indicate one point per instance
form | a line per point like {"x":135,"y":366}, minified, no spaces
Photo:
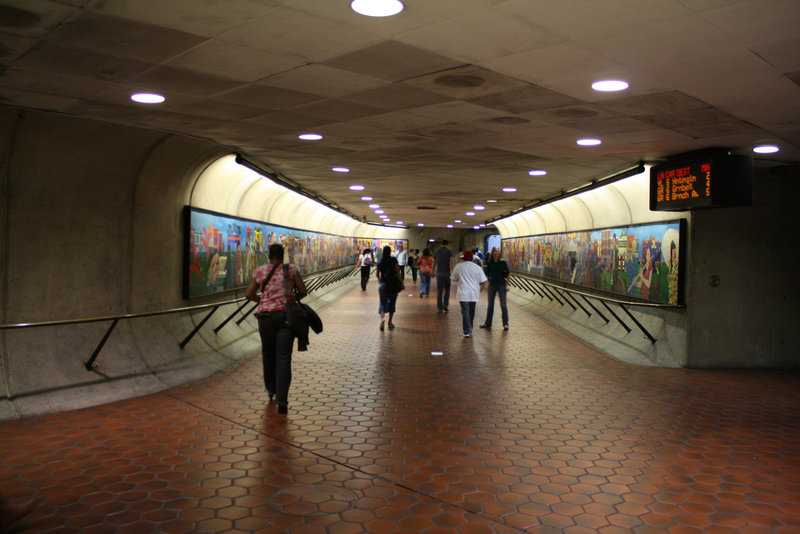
{"x":537,"y":172}
{"x":310,"y":137}
{"x":398,"y":222}
{"x":147,"y":98}
{"x":420,"y":224}
{"x":766,"y":149}
{"x":357,"y":187}
{"x":509,"y":190}
{"x":380,"y":212}
{"x":478,"y":207}
{"x":609,"y":86}
{"x":449,"y":225}
{"x":476,"y":227}
{"x":340,"y":169}
{"x":470,"y":213}
{"x":366,"y":198}
{"x":482,"y":225}
{"x":588,"y":142}
{"x":491,"y":200}
{"x":457,"y":221}
{"x":377,"y":8}
{"x":374,"y":206}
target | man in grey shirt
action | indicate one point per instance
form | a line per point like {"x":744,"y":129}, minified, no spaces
{"x":442,"y":265}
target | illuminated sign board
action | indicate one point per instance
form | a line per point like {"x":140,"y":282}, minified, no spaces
{"x":701,"y":180}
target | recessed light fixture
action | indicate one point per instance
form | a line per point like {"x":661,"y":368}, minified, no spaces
{"x":537,"y":172}
{"x":377,"y":8}
{"x":357,"y":187}
{"x":491,"y":200}
{"x":420,"y":224}
{"x":457,"y":221}
{"x":470,"y":214}
{"x":340,"y":169}
{"x":478,"y":207}
{"x":766,"y":149}
{"x":449,"y":225}
{"x":588,"y":142}
{"x":476,"y":227}
{"x":482,"y":225}
{"x":379,"y":212}
{"x":398,"y":222}
{"x":509,"y":190}
{"x":374,"y":206}
{"x":310,"y":137}
{"x":147,"y":98}
{"x":609,"y":86}
{"x":367,"y":199}
{"x":437,"y":353}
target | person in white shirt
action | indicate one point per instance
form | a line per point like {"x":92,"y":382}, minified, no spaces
{"x":469,"y":278}
{"x":402,"y":260}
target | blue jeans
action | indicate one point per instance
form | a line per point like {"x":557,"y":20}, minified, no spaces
{"x":424,"y":283}
{"x":467,"y":316}
{"x":500,"y":290}
{"x":442,"y":287}
{"x":276,"y":353}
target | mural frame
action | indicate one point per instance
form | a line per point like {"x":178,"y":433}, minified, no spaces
{"x":211,"y":253}
{"x":613,"y":260}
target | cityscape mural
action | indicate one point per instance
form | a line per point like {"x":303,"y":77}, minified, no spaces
{"x":223,"y":251}
{"x":642,"y":261}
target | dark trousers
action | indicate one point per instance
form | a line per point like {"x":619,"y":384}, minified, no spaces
{"x":442,"y":292}
{"x":467,"y":316}
{"x":364,"y":277}
{"x":499,"y":290}
{"x":414,"y":274}
{"x":402,"y":272}
{"x":276,"y":353}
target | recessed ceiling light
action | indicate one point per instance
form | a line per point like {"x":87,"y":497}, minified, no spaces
{"x":537,"y":172}
{"x":366,"y":198}
{"x":457,"y":221}
{"x":420,"y":224}
{"x":588,"y":142}
{"x":340,"y":169}
{"x":374,"y":206}
{"x":766,"y":149}
{"x":478,"y":207}
{"x":357,"y":187}
{"x":310,"y":137}
{"x":509,"y":190}
{"x":147,"y":98}
{"x":491,"y":200}
{"x":380,"y":212}
{"x":398,"y":222}
{"x":482,"y":225}
{"x":609,"y":86}
{"x":377,"y":8}
{"x":470,"y":213}
{"x":449,"y":225}
{"x":476,"y":227}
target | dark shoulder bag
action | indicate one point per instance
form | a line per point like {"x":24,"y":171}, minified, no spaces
{"x":299,"y":316}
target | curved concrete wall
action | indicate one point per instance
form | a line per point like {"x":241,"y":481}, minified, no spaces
{"x":621,"y":203}
{"x":92,"y":227}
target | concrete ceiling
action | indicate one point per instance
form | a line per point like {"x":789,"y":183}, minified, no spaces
{"x":439,"y":106}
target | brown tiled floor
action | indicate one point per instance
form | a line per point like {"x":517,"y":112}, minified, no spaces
{"x":519,"y":431}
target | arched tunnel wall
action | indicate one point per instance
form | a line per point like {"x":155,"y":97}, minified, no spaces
{"x":92,"y":226}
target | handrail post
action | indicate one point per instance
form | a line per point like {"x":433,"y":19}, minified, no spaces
{"x":223,"y":323}
{"x":243,"y":317}
{"x":89,"y":364}
{"x":594,"y":308}
{"x":198,"y":327}
{"x":641,"y":327}
{"x":626,"y":327}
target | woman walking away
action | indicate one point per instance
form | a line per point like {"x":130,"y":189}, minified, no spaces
{"x":497,"y":271}
{"x":389,"y":284}
{"x":366,"y":262}
{"x":413,"y":260}
{"x":425,"y":271}
{"x":276,"y":337}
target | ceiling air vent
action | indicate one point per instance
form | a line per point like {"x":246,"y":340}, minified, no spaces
{"x":426,"y":207}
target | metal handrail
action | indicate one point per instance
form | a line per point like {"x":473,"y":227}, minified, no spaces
{"x":316,"y":280}
{"x":528,"y":282}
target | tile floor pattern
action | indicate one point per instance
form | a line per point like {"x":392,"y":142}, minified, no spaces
{"x":521,"y":431}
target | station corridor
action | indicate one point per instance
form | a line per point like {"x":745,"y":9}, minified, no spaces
{"x":528,"y":430}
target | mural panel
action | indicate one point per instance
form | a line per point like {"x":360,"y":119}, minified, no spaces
{"x":223,"y":251}
{"x":642,"y":261}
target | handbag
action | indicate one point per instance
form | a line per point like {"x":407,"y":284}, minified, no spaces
{"x":299,"y":316}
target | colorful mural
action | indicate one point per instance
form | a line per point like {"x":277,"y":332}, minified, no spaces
{"x":223,"y":251}
{"x":640,"y":261}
